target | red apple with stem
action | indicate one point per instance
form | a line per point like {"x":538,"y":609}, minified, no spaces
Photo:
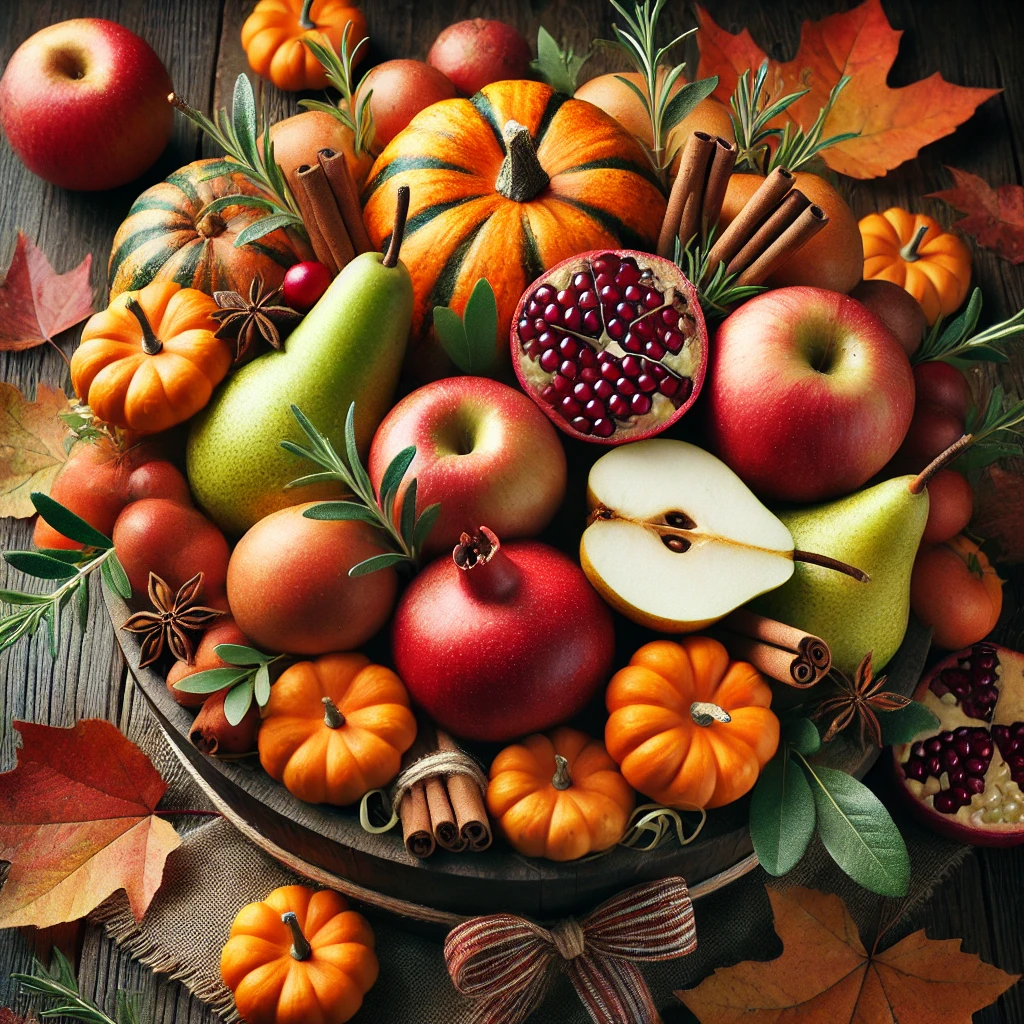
{"x":810,"y":394}
{"x":483,"y":450}
{"x":84,"y":104}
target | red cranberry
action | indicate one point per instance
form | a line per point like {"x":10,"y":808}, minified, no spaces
{"x":304,"y":283}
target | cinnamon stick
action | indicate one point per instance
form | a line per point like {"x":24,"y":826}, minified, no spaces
{"x":467,"y":802}
{"x":346,"y":195}
{"x":794,"y":203}
{"x":795,"y":237}
{"x":765,"y":630}
{"x":442,"y":819}
{"x":682,"y":215}
{"x":786,"y":666}
{"x":415,"y":816}
{"x":755,"y":211}
{"x":722,"y":163}
{"x":326,"y":214}
{"x":321,"y":249}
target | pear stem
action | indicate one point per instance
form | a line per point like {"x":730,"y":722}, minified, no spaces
{"x":909,"y":251}
{"x":301,"y":949}
{"x":943,"y":459}
{"x":151,"y":344}
{"x":401,"y":213}
{"x":561,"y":779}
{"x":812,"y":558}
{"x":333,"y":718}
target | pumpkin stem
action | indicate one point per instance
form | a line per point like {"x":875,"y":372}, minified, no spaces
{"x":704,"y":713}
{"x":521,"y":176}
{"x":561,"y":778}
{"x":210,"y":225}
{"x":301,"y":949}
{"x":813,"y":558}
{"x":398,"y":232}
{"x":304,"y":19}
{"x":943,"y":459}
{"x":151,"y":344}
{"x":909,"y":251}
{"x":333,"y":718}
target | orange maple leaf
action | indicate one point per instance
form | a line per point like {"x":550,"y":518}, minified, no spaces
{"x":995,"y":216}
{"x":826,"y":975}
{"x":77,"y":824}
{"x":893,"y":123}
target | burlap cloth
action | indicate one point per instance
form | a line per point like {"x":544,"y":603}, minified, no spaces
{"x":216,"y":871}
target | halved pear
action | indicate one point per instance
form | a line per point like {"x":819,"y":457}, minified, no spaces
{"x":675,"y":539}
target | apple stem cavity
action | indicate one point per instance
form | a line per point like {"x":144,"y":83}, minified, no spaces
{"x":521,"y":176}
{"x":333,"y":718}
{"x":561,"y":780}
{"x":151,"y":344}
{"x":301,"y":949}
{"x":304,"y":19}
{"x":812,"y":558}
{"x":398,"y":232}
{"x":943,"y":459}
{"x":909,"y":251}
{"x":704,"y":713}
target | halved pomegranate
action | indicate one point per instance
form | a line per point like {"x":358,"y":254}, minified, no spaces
{"x":611,"y":344}
{"x":965,"y":779}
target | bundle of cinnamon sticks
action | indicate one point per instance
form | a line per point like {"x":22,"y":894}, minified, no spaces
{"x":787,"y":654}
{"x":440,"y":797}
{"x":328,"y":200}
{"x":775,"y":222}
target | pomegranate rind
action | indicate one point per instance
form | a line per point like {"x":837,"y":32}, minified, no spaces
{"x":966,"y":824}
{"x":532,"y":378}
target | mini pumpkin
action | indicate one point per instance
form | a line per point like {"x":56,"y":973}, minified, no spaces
{"x":559,"y":796}
{"x":912,"y":250}
{"x":335,"y":728}
{"x":272,"y":37}
{"x":150,"y":360}
{"x":689,"y":727}
{"x":299,"y":956}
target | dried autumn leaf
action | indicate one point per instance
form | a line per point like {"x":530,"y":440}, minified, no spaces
{"x":36,"y":303}
{"x":893,"y":123}
{"x":995,"y":216}
{"x":999,"y":513}
{"x":826,"y":975}
{"x":77,"y":824}
{"x":32,"y":437}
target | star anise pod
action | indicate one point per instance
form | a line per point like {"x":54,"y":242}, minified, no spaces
{"x":860,"y":698}
{"x":174,"y":617}
{"x":261,"y":317}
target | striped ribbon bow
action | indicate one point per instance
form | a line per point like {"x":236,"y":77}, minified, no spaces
{"x":505,"y":962}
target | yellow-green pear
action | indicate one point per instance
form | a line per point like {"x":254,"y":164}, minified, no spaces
{"x":349,"y":348}
{"x":878,"y":530}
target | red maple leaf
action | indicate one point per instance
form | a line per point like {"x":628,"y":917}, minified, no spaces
{"x":995,"y":217}
{"x":77,"y":824}
{"x":36,"y":303}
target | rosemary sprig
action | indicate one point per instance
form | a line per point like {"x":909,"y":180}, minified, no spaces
{"x":338,"y":67}
{"x":245,"y":137}
{"x":637,"y":42}
{"x":957,"y":339}
{"x":405,"y":531}
{"x":719,"y":293}
{"x":997,"y":432}
{"x":248,"y":677}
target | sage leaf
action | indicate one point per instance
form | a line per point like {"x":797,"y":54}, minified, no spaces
{"x":801,"y":734}
{"x":210,"y":681}
{"x":686,"y":99}
{"x":330,"y":511}
{"x":261,"y":685}
{"x":64,"y":521}
{"x":71,"y":556}
{"x":83,"y":605}
{"x":452,"y":334}
{"x":239,"y":654}
{"x":238,"y":701}
{"x":115,"y":577}
{"x":906,"y":724}
{"x":16,"y":597}
{"x":425,"y":523}
{"x":264,"y":226}
{"x":858,"y":832}
{"x":781,"y":815}
{"x":407,"y":525}
{"x":243,"y":120}
{"x":397,"y":469}
{"x":640,"y":93}
{"x":43,"y":567}
{"x":480,"y":320}
{"x":559,"y":68}
{"x":312,"y":478}
{"x":360,"y":477}
{"x":375,"y":563}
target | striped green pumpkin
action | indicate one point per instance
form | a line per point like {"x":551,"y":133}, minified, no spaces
{"x":165,"y":237}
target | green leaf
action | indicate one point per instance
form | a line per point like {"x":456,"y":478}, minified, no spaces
{"x":209,"y":681}
{"x":640,"y":93}
{"x":451,"y":333}
{"x":377,"y":562}
{"x":559,"y":68}
{"x":64,"y":521}
{"x":71,"y":556}
{"x":83,"y":605}
{"x":407,"y":525}
{"x":239,"y":654}
{"x":261,"y":685}
{"x":32,"y":563}
{"x":331,"y":511}
{"x":360,"y":478}
{"x":686,"y":99}
{"x":264,"y":226}
{"x":243,"y":118}
{"x":480,"y":321}
{"x":226,"y":202}
{"x":425,"y":523}
{"x":397,"y":469}
{"x":906,"y":724}
{"x":16,"y":597}
{"x":312,"y":478}
{"x":781,"y":815}
{"x":238,"y":702}
{"x":115,"y":577}
{"x":801,"y":734}
{"x":858,"y":832}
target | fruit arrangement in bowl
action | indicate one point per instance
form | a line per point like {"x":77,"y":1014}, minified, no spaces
{"x":470,"y":456}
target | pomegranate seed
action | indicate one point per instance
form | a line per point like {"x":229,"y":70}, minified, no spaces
{"x":547,"y":339}
{"x":632,"y":293}
{"x":570,"y":407}
{"x":646,"y":383}
{"x":588,"y":357}
{"x":604,"y":428}
{"x":588,"y":300}
{"x":609,"y":371}
{"x":567,"y":297}
{"x":934,"y":766}
{"x":644,"y":329}
{"x":915,"y":770}
{"x":632,"y":344}
{"x":567,"y":369}
{"x":592,"y":322}
{"x":616,"y":329}
{"x":526,"y":330}
{"x":603,"y":389}
{"x":625,"y":387}
{"x":673,"y":341}
{"x":562,"y":384}
{"x":668,"y":387}
{"x":625,"y":310}
{"x":654,"y":349}
{"x":595,"y":410}
{"x":606,"y":262}
{"x":583,"y":392}
{"x":568,"y":347}
{"x":552,"y":313}
{"x":549,"y":361}
{"x":976,"y":766}
{"x":669,"y":317}
{"x":631,"y":367}
{"x":582,"y":281}
{"x":618,"y":406}
{"x":582,"y":425}
{"x":652,"y":300}
{"x":549,"y":394}
{"x":544,"y":294}
{"x":975,"y":785}
{"x":640,"y":404}
{"x":604,"y":280}
{"x":572,"y":318}
{"x":944,"y":803}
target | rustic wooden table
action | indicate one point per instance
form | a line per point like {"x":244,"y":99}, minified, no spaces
{"x":971,"y":43}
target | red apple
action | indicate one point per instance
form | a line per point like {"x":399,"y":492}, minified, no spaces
{"x":401,"y":89}
{"x":810,"y":394}
{"x":483,"y":450}
{"x":84,"y":104}
{"x":477,"y":52}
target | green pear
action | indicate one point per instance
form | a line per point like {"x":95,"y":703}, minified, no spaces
{"x":349,"y":348}
{"x":877,"y":530}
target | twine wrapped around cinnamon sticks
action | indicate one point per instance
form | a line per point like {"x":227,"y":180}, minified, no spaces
{"x":783,"y":652}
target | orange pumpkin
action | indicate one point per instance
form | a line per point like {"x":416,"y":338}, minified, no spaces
{"x":335,"y":728}
{"x":912,"y":250}
{"x":272,"y":39}
{"x":150,"y":360}
{"x":299,"y":956}
{"x":689,"y":727}
{"x":504,"y":186}
{"x":559,"y":796}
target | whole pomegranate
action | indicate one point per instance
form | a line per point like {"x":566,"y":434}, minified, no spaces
{"x":502,"y":640}
{"x":611,"y":345}
{"x":476,"y":52}
{"x":965,"y":779}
